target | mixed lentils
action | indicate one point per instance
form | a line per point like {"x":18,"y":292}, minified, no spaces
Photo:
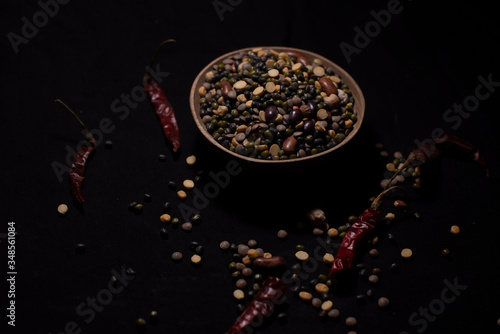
{"x":274,"y":105}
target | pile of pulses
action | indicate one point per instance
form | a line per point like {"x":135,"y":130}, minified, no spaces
{"x":274,"y":105}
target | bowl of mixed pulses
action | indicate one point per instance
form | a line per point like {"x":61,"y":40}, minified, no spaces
{"x":276,"y":105}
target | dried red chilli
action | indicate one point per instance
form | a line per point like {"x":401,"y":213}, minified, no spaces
{"x":269,"y":294}
{"x":428,"y":151}
{"x":365,"y":223}
{"x":161,"y":104}
{"x":77,"y":170}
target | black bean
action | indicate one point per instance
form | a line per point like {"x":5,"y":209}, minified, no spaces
{"x":172,"y":185}
{"x":199,"y":250}
{"x":132,"y":205}
{"x":193,"y":245}
{"x":147,"y":198}
{"x":80,"y":248}
{"x":282,"y":318}
{"x":164,"y":233}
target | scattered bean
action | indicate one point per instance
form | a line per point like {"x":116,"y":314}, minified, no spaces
{"x":165,"y":218}
{"x":328,"y":258}
{"x":188,"y":184}
{"x":316,"y":302}
{"x":196,"y":259}
{"x":282,"y":234}
{"x":181,"y":194}
{"x":321,"y":288}
{"x":406,"y":253}
{"x":301,"y":255}
{"x":374,"y":252}
{"x":238,"y":294}
{"x":455,"y":229}
{"x":187,"y":226}
{"x":268,"y":263}
{"x":176,"y":256}
{"x":383,"y":302}
{"x":334,"y":313}
{"x":373,"y":279}
{"x":224,"y":245}
{"x":62,"y":209}
{"x":351,"y":322}
{"x":332,"y":232}
{"x":305,"y":296}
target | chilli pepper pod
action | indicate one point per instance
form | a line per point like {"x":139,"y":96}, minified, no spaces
{"x":268,"y":295}
{"x":365,"y":223}
{"x":428,"y":150}
{"x":77,"y":170}
{"x":161,"y":104}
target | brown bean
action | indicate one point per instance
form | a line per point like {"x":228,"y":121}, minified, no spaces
{"x":299,"y":56}
{"x":269,"y":263}
{"x":226,"y":87}
{"x":289,"y":145}
{"x":328,"y":86}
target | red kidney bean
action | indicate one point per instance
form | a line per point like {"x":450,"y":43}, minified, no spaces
{"x":271,"y":262}
{"x":300,"y":57}
{"x":289,"y":145}
{"x":328,"y":86}
{"x":226,"y":87}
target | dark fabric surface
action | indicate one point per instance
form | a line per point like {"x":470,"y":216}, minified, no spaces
{"x":92,"y":55}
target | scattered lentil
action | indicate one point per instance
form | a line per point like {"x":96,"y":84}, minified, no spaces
{"x":328,"y":259}
{"x":188,"y":184}
{"x":455,"y":229}
{"x":406,"y":253}
{"x":327,"y":305}
{"x":252,"y":243}
{"x":191,"y":160}
{"x":165,"y":218}
{"x":181,"y":194}
{"x":247,"y":272}
{"x":383,"y":302}
{"x":305,"y":296}
{"x":253,"y":254}
{"x":196,"y":259}
{"x":373,"y":279}
{"x":351,"y":322}
{"x":282,"y":234}
{"x":62,"y":209}
{"x":321,"y":288}
{"x":187,"y":226}
{"x":243,"y":249}
{"x":374,"y":252}
{"x":238,"y":294}
{"x":445,"y":252}
{"x":334,"y":313}
{"x":332,"y":232}
{"x":316,"y":302}
{"x":176,"y":256}
{"x":301,"y":255}
{"x":224,"y":245}
{"x":80,"y":248}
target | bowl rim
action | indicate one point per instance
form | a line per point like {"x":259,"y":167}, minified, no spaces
{"x":359,"y":105}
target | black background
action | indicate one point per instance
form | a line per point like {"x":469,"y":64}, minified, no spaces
{"x":90,"y":53}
